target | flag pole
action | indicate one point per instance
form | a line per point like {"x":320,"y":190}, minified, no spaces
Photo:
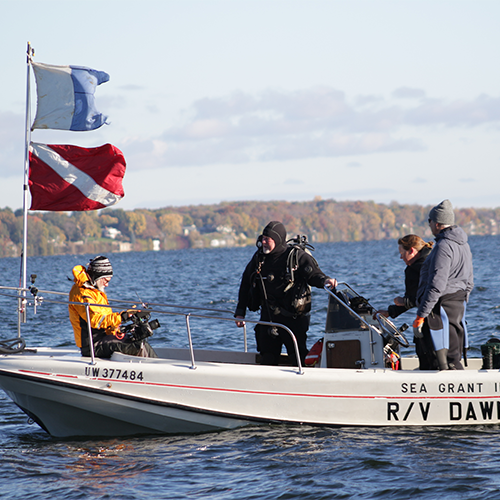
{"x":22,"y":300}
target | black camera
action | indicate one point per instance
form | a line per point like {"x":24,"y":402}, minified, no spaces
{"x":141,"y":327}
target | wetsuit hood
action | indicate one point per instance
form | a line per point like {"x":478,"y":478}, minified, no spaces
{"x":276,"y":230}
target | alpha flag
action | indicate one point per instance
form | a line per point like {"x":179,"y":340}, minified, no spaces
{"x":65,"y":97}
{"x":71,"y":178}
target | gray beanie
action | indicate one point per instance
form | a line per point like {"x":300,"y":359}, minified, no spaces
{"x":443,"y":213}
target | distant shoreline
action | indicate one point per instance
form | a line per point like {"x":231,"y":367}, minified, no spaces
{"x":223,"y":225}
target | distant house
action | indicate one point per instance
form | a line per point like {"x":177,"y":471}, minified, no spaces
{"x":111,"y":232}
{"x":123,"y":246}
{"x":188,"y":229}
{"x":224,"y":229}
{"x":218,"y":243}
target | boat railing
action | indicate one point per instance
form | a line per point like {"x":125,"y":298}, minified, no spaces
{"x":38,"y":299}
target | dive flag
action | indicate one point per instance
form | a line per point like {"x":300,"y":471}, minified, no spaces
{"x":71,"y":178}
{"x":65,"y":97}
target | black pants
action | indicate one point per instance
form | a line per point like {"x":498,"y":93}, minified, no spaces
{"x":105,"y":346}
{"x":445,"y":329}
{"x":269,"y":344}
{"x":425,"y":350}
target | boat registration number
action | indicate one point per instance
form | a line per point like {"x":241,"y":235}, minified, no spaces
{"x":114,"y":373}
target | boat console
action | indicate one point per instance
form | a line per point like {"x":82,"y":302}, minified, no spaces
{"x":354,"y":339}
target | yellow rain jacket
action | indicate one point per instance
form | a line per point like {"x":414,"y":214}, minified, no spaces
{"x":102,"y":320}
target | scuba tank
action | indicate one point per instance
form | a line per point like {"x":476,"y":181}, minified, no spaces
{"x":298,"y":294}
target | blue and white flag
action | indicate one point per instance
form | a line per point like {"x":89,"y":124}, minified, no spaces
{"x":65,"y":97}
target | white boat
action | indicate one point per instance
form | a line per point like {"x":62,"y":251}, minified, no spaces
{"x":191,"y":390}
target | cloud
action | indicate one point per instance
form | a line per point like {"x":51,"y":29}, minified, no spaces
{"x":420,"y":180}
{"x":408,"y":93}
{"x":480,"y":111}
{"x":275,"y":125}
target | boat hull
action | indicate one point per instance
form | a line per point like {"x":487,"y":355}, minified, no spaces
{"x":67,"y":396}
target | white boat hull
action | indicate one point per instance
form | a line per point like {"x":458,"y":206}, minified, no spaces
{"x":68,"y":396}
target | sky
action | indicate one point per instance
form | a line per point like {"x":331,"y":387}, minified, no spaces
{"x":233,"y":100}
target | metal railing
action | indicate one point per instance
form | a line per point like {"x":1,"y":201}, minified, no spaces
{"x":38,"y":299}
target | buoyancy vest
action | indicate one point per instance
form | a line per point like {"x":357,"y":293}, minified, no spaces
{"x":294,"y":293}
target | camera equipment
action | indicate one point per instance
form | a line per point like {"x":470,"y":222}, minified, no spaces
{"x":141,"y":327}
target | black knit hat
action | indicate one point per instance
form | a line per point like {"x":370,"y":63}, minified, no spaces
{"x":100,"y":267}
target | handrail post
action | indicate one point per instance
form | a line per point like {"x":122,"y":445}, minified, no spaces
{"x":91,"y":340}
{"x":245,"y":337}
{"x":297,"y":354}
{"x":191,"y":350}
{"x":294,"y":340}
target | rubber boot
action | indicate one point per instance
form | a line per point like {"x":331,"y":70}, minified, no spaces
{"x":442,"y":358}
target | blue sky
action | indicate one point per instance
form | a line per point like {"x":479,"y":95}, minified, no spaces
{"x":218,"y":100}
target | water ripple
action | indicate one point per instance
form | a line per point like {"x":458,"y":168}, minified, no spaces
{"x":268,"y":462}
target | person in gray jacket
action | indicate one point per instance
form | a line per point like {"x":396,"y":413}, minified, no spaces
{"x":446,"y":281}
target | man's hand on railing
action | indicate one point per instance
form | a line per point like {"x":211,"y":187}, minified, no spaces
{"x":239,"y":321}
{"x":331,"y":283}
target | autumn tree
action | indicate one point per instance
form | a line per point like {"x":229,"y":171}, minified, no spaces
{"x":171,"y":224}
{"x":87,"y":225}
{"x":136,"y":224}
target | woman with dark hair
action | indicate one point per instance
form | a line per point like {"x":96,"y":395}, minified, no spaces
{"x":413,"y":250}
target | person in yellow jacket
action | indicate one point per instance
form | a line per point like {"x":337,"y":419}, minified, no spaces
{"x":89,"y":286}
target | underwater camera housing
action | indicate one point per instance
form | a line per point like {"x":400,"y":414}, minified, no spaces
{"x":141,"y":327}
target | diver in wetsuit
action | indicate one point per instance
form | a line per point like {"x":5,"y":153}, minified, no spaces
{"x":266,"y":284}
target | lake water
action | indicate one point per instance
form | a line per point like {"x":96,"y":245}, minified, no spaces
{"x":268,"y":462}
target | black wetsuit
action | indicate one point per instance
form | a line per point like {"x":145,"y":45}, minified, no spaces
{"x":269,"y":293}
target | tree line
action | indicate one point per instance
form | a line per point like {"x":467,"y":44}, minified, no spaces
{"x":222,"y":224}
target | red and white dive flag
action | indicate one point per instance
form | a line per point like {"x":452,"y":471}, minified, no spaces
{"x":71,"y":178}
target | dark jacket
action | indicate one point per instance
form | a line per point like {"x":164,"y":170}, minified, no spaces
{"x":275,"y":280}
{"x":412,"y":277}
{"x":447,"y":270}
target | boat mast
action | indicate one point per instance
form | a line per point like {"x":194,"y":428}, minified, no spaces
{"x":22,"y":294}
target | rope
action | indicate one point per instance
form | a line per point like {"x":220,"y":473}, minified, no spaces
{"x":7,"y":346}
